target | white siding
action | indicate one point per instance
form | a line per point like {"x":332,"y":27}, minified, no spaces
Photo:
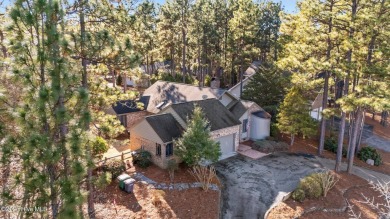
{"x":260,"y":128}
{"x":236,"y":89}
{"x":246,"y":134}
{"x":226,"y":99}
{"x":316,"y":113}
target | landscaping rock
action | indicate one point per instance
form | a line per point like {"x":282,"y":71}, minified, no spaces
{"x":370,"y":162}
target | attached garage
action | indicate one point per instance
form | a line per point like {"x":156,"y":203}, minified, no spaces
{"x":227,"y":145}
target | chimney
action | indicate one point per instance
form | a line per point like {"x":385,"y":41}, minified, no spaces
{"x":215,"y":83}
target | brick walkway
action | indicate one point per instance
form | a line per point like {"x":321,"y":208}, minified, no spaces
{"x":249,"y":152}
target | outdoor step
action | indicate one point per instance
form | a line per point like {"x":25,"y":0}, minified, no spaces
{"x":252,"y":154}
{"x":242,"y":148}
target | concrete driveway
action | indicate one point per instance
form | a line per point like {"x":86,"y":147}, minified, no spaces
{"x":252,"y":186}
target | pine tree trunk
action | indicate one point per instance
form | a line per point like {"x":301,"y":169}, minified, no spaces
{"x":323,"y":120}
{"x":147,"y":65}
{"x":90,"y":189}
{"x":361,"y":129}
{"x":326,"y":86}
{"x":184,"y":41}
{"x":340,"y":142}
{"x":352,"y":120}
{"x":359,"y":115}
{"x":292,"y":139}
{"x":53,"y":191}
{"x":111,"y":72}
{"x":3,"y":48}
{"x":124,"y":82}
{"x":172,"y":62}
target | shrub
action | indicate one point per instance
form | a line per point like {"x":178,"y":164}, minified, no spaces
{"x":298,"y":195}
{"x":99,"y":146}
{"x":328,"y":181}
{"x":207,"y":80}
{"x":196,"y":143}
{"x":142,"y":158}
{"x":115,"y":167}
{"x":311,"y":185}
{"x":204,"y":175}
{"x":103,"y":180}
{"x":370,"y":153}
{"x":172,"y":167}
{"x":274,"y":132}
{"x":331,"y":145}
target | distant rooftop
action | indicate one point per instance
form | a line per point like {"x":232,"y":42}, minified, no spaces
{"x":129,"y":106}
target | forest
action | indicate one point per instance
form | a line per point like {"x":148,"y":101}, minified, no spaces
{"x":56,"y":54}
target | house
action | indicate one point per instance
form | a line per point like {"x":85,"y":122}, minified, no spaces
{"x":255,"y":121}
{"x":156,"y":133}
{"x":163,"y":93}
{"x":249,"y":72}
{"x":128,"y":111}
{"x":316,"y":107}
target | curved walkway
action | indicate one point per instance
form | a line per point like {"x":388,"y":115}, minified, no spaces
{"x":169,"y":186}
{"x":364,"y":173}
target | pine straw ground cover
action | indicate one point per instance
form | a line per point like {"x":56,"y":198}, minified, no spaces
{"x":309,"y":146}
{"x":190,"y":203}
{"x":349,"y":188}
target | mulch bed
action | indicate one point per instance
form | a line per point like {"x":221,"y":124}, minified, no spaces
{"x":310,"y":146}
{"x":162,"y":176}
{"x":378,"y":128}
{"x":191,"y":203}
{"x":348,"y":187}
{"x":182,"y":175}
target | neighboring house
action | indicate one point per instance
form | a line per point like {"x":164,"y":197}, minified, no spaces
{"x":250,"y":71}
{"x":127,"y":111}
{"x":255,"y":121}
{"x":316,"y":107}
{"x":156,"y":133}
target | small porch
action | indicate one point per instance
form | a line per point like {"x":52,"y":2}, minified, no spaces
{"x":247,"y":151}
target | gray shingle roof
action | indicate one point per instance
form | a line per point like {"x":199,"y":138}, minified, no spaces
{"x":162,"y":93}
{"x":238,"y":109}
{"x":215,"y":112}
{"x":165,"y":126}
{"x":262,"y":114}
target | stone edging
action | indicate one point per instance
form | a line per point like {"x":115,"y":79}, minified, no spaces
{"x":170,"y":186}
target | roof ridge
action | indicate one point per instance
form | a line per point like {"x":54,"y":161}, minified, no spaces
{"x":192,"y":85}
{"x":155,"y":115}
{"x":213,"y":99}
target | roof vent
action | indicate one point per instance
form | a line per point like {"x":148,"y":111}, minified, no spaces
{"x":204,"y":97}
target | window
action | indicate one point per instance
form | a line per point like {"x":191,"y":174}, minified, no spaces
{"x":169,"y":149}
{"x":158,"y":149}
{"x":245,"y":125}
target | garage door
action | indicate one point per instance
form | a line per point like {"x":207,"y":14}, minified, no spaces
{"x":226,"y":144}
